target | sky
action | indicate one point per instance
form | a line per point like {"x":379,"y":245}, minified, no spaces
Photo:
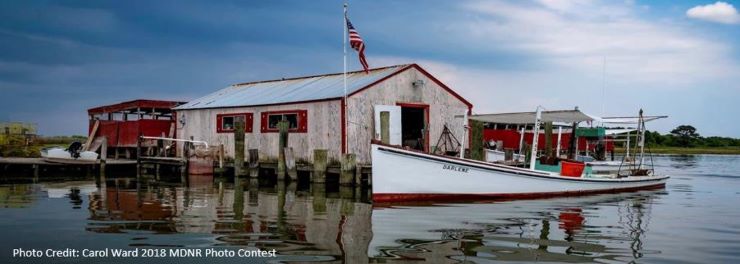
{"x":609,"y":58}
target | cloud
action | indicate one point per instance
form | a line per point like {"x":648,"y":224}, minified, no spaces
{"x":579,"y":35}
{"x":719,"y":12}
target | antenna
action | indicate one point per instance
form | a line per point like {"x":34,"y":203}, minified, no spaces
{"x":603,"y":87}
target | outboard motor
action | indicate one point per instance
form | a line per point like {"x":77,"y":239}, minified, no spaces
{"x":74,"y":149}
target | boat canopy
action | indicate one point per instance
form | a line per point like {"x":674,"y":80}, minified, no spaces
{"x":626,"y":120}
{"x":565,"y":116}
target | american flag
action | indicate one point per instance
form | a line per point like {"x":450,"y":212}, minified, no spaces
{"x":355,"y":41}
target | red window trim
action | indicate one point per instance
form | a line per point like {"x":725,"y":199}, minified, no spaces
{"x":248,"y":122}
{"x":302,"y":121}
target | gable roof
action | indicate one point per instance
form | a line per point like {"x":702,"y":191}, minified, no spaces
{"x":301,"y":89}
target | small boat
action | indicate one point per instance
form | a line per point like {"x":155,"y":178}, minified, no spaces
{"x":73,"y":155}
{"x":408,"y":175}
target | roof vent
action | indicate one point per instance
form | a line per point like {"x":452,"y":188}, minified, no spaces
{"x":418,"y":83}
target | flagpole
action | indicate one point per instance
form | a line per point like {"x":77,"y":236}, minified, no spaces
{"x":344,"y":46}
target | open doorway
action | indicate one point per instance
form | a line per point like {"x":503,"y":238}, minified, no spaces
{"x":414,"y":126}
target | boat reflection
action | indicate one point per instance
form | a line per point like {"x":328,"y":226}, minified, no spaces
{"x":309,"y":223}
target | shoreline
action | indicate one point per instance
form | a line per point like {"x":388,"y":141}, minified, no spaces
{"x":689,"y":151}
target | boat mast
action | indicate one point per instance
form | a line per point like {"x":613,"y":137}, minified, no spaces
{"x":560,"y":134}
{"x":535,"y":138}
{"x":641,"y":125}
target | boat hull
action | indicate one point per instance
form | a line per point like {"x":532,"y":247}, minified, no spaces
{"x":402,"y":175}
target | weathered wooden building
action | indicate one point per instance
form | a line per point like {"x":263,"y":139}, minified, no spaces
{"x":418,"y":106}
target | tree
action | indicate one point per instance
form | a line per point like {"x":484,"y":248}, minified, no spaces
{"x":685,"y":134}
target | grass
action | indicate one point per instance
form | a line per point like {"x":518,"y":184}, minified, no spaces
{"x":692,"y":150}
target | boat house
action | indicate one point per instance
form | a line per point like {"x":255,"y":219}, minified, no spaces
{"x":122,"y":123}
{"x":415,"y":104}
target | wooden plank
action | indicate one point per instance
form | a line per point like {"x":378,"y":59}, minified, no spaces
{"x":91,"y":135}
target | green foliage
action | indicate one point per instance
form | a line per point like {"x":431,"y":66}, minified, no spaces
{"x":686,"y":136}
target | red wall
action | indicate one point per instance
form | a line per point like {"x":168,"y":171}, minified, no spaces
{"x":511,"y":139}
{"x":124,"y":133}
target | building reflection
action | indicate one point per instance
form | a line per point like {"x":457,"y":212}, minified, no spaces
{"x":294,"y":221}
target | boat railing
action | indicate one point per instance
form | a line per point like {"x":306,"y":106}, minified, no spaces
{"x":177,"y":140}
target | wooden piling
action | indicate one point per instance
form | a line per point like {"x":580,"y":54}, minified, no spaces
{"x":319,"y":166}
{"x":348,"y":165}
{"x":290,"y":165}
{"x":239,"y":147}
{"x":103,"y":156}
{"x":254,"y":163}
{"x":282,"y":143}
{"x":476,"y":140}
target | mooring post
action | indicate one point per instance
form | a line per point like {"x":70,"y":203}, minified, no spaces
{"x":184,"y":165}
{"x":290,"y":165}
{"x":476,"y":140}
{"x":254,"y":163}
{"x":103,"y":156}
{"x":282,"y":143}
{"x":239,"y":148}
{"x":319,"y":166}
{"x":36,"y":172}
{"x":347,"y":172}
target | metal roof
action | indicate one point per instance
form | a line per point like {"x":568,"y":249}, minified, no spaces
{"x":301,"y":89}
{"x":568,"y":116}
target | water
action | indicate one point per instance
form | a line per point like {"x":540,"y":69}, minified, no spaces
{"x":693,"y":220}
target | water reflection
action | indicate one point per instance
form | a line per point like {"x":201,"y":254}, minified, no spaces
{"x":586,"y":229}
{"x":320,"y":223}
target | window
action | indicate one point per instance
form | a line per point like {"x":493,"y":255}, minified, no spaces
{"x":225,"y":122}
{"x":297,"y":121}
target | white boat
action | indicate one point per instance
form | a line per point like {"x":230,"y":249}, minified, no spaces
{"x":61,"y":155}
{"x":406,"y":175}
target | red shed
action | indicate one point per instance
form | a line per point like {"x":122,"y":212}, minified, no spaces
{"x":121,"y":123}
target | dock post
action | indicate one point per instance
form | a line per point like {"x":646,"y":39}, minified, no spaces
{"x":476,"y":140}
{"x":184,"y":165}
{"x":36,"y":172}
{"x":283,"y":142}
{"x":254,"y":163}
{"x":290,"y":165}
{"x":238,"y":148}
{"x":319,"y":166}
{"x":103,"y":156}
{"x":347,"y":173}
